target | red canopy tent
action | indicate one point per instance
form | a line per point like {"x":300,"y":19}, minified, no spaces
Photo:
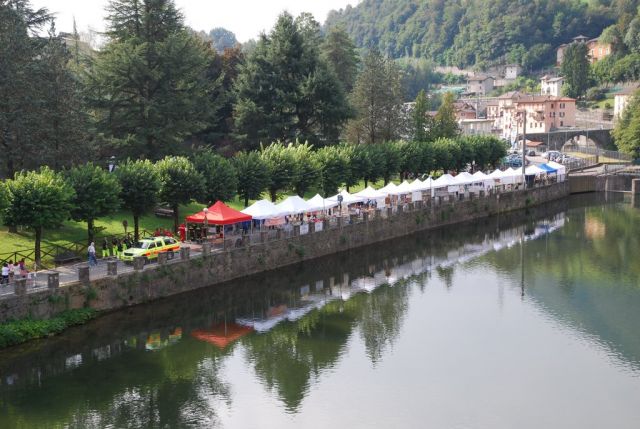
{"x":219,"y":214}
{"x":222,"y":334}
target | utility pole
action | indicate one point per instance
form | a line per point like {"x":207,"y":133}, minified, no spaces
{"x":524,"y":144}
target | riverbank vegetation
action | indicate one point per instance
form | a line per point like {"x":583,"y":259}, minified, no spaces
{"x":20,"y":331}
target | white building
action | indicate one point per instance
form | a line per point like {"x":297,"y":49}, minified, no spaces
{"x":480,"y":85}
{"x":622,"y":98}
{"x":512,"y":71}
{"x":551,"y":85}
{"x":476,"y":126}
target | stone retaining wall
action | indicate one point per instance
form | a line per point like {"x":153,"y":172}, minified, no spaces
{"x":161,"y":281}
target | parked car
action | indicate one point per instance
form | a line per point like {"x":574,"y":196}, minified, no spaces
{"x":552,"y":155}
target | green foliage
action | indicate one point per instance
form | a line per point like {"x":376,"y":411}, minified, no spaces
{"x":286,"y":91}
{"x":42,"y":121}
{"x":180,"y":183}
{"x":444,"y":123}
{"x":151,"y":85}
{"x":421,"y":121}
{"x":306,"y":172}
{"x":473,"y":32}
{"x":377,"y":99}
{"x":38,"y":199}
{"x":252,"y":173}
{"x":20,"y":331}
{"x":627,"y":129}
{"x":97,"y":194}
{"x":333,"y":167}
{"x":576,"y":70}
{"x":220,"y":179}
{"x":140,"y":183}
{"x":339,"y":51}
{"x":222,"y":39}
{"x":281,"y":166}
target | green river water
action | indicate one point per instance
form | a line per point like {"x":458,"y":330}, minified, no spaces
{"x":530,"y":320}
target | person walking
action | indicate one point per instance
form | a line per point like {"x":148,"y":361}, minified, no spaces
{"x":114,"y":246}
{"x":120,"y":249}
{"x":5,"y":274}
{"x":91,"y":250}
{"x":105,"y":248}
{"x":10,"y":266}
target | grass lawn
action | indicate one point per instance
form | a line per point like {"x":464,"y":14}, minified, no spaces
{"x":601,"y":158}
{"x":72,"y":232}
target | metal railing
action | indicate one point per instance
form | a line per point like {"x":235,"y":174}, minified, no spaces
{"x":612,"y":154}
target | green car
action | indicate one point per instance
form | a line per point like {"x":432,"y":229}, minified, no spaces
{"x":150,"y":247}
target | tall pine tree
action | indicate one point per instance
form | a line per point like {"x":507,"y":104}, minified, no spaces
{"x":151,"y":85}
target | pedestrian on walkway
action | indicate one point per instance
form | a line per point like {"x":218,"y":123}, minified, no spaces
{"x":5,"y":274}
{"x":114,"y":244}
{"x":91,"y":250}
{"x":119,"y":247}
{"x":10,"y":266}
{"x":105,"y":247}
{"x":23,"y":269}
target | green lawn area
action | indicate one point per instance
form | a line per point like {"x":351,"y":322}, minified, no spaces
{"x":72,"y":232}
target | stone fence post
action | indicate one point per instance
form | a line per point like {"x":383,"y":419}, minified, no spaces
{"x":20,"y":287}
{"x":83,"y":274}
{"x":138,"y":263}
{"x":312,"y":227}
{"x":162,"y":258}
{"x":112,"y":268}
{"x":206,"y":249}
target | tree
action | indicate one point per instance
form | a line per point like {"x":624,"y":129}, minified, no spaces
{"x":140,"y":184}
{"x":444,"y":123}
{"x":377,"y":100}
{"x":253,"y":175}
{"x":41,"y":111}
{"x":285,"y":91}
{"x":306,"y":170}
{"x":421,"y":121}
{"x":576,"y":70}
{"x":340,"y":53}
{"x":280,"y":164}
{"x":627,"y":130}
{"x":632,"y":36}
{"x":392,"y":159}
{"x":97,"y":194}
{"x":220,"y":179}
{"x":38,"y":199}
{"x":222,"y":39}
{"x":180,"y":183}
{"x":150,"y":84}
{"x":332,"y":169}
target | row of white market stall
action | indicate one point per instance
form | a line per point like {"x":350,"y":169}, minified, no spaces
{"x":293,"y":209}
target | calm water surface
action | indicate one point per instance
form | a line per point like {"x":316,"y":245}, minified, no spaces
{"x":460,"y":328}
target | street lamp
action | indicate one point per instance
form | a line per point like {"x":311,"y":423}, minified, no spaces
{"x":206,"y":222}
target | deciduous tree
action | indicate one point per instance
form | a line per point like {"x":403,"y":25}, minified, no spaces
{"x":220,"y":179}
{"x":253,"y":175}
{"x":140,"y":186}
{"x":180,"y":183}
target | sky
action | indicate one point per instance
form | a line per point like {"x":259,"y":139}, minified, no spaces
{"x":246,"y":18}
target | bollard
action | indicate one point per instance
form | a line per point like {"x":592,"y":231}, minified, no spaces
{"x":481,"y":194}
{"x":410,"y":206}
{"x":112,"y":268}
{"x":53,"y":280}
{"x":340,"y":221}
{"x":138,"y":263}
{"x":312,"y":227}
{"x":163,"y":256}
{"x":451,"y":198}
{"x":264,"y":236}
{"x":83,"y":274}
{"x":185,"y":252}
{"x":296,"y":230}
{"x":400,"y":209}
{"x":20,"y":287}
{"x":206,"y":249}
{"x":278,"y":234}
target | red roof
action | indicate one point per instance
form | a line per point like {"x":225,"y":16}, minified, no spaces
{"x":219,"y":214}
{"x":221,"y":335}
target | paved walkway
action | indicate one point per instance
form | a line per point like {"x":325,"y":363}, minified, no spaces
{"x":69,"y":273}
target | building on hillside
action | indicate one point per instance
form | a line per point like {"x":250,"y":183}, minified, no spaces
{"x":464,"y":110}
{"x":512,"y":71}
{"x":596,"y":49}
{"x":480,"y":85}
{"x":622,"y":98}
{"x":551,"y":85}
{"x":476,"y":126}
{"x":544,"y":113}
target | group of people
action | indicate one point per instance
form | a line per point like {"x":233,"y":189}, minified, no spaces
{"x":110,"y":248}
{"x":11,"y":271}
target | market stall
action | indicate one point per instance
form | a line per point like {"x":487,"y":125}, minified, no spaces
{"x":215,"y":222}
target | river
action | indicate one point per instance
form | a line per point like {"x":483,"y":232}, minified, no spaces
{"x":528,"y":320}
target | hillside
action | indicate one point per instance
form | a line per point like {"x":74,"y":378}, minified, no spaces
{"x":474,"y":32}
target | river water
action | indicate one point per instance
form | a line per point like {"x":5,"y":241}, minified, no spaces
{"x":528,"y":320}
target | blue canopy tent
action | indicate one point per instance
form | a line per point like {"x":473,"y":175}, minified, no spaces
{"x":548,"y":168}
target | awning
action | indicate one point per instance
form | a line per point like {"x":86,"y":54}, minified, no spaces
{"x":219,"y":214}
{"x":318,"y":203}
{"x":263,"y":209}
{"x":347,"y":198}
{"x":548,"y":168}
{"x":370,"y":194}
{"x":293,"y":205}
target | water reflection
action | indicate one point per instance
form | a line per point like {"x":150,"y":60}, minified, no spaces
{"x":162,"y":365}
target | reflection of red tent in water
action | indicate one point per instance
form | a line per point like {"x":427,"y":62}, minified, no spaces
{"x":221,"y":334}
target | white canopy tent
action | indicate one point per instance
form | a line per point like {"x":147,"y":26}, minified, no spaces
{"x":390,"y":189}
{"x":404,"y":188}
{"x":317,"y":203}
{"x":371,"y":194}
{"x":534,"y":170}
{"x":263,"y":209}
{"x":444,"y":181}
{"x":486,"y":180}
{"x":293,"y":205}
{"x":347,"y":198}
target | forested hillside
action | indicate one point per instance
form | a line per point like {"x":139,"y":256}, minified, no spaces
{"x":476,"y":32}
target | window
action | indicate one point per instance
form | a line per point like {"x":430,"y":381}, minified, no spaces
{"x":552,"y":105}
{"x":151,"y":246}
{"x":561,"y":123}
{"x":169,"y":240}
{"x":562,"y":114}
